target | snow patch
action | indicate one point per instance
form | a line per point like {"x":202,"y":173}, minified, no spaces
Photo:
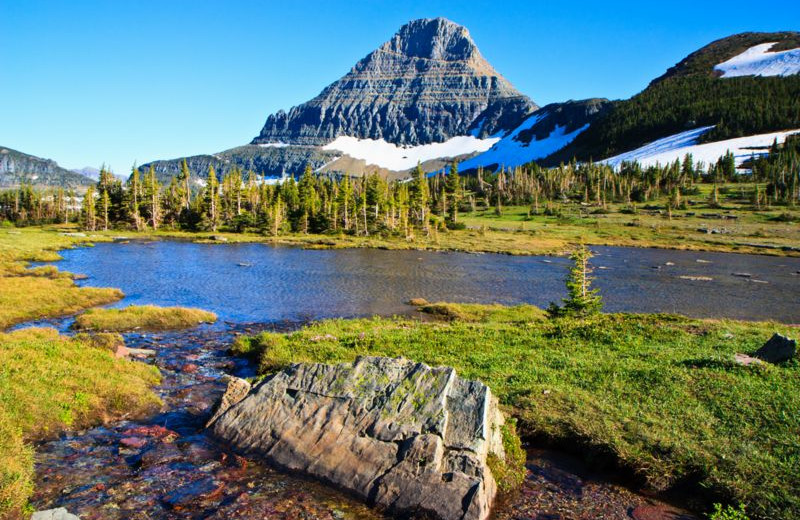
{"x":510,"y":151}
{"x":758,"y":61}
{"x":675,"y":147}
{"x":397,"y":158}
{"x":274,"y":145}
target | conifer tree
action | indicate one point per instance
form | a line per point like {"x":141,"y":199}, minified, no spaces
{"x":581,"y":299}
{"x":420,"y":196}
{"x":88,"y":210}
{"x":452,"y":187}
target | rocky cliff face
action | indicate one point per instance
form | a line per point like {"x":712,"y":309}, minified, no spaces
{"x":20,"y":168}
{"x":427,"y":84}
{"x":408,"y":438}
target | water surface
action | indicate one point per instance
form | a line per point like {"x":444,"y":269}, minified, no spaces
{"x":263,"y":283}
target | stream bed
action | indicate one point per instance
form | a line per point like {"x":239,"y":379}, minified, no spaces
{"x":167,"y":467}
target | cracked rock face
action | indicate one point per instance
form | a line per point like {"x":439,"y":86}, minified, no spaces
{"x":407,"y":438}
{"x":427,"y":84}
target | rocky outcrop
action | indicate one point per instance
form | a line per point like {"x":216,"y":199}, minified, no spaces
{"x":426,"y":84}
{"x":777,"y":350}
{"x":570,"y":115}
{"x":407,"y":438}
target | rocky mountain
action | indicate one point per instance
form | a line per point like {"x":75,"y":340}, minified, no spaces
{"x":428,"y":83}
{"x":18,"y":168}
{"x":427,"y":95}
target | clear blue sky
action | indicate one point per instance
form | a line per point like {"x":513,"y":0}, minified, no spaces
{"x":87,"y":82}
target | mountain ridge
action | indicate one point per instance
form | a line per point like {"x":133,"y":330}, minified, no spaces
{"x":18,"y":168}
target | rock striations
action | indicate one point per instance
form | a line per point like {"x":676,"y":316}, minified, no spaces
{"x":427,"y":84}
{"x":403,"y":436}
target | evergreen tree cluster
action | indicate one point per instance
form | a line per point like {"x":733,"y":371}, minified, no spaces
{"x":372,"y":205}
{"x":736,"y":107}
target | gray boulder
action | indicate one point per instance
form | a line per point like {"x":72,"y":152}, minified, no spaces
{"x":54,"y":514}
{"x":778,"y":349}
{"x":405,"y":437}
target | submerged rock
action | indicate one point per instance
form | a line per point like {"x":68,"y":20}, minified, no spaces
{"x":778,"y":349}
{"x":54,"y":514}
{"x":401,"y":435}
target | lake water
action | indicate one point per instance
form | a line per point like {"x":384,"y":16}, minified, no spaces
{"x":263,"y":283}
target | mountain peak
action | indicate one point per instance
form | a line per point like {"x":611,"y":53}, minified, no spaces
{"x":428,"y":83}
{"x":432,"y":39}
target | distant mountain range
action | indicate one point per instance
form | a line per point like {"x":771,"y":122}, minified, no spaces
{"x":18,"y":168}
{"x":428,"y":96}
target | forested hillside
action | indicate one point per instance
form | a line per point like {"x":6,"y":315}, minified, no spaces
{"x":691,"y":94}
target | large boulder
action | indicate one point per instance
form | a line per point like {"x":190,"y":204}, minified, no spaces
{"x":405,"y":437}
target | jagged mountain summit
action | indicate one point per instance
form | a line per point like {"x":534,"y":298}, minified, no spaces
{"x":427,"y":84}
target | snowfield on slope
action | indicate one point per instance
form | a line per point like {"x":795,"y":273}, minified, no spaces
{"x":758,"y":61}
{"x":510,"y":151}
{"x":668,"y":149}
{"x":398,"y":158}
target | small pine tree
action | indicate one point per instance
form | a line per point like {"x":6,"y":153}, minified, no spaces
{"x":89,"y":210}
{"x":581,"y":299}
{"x":452,"y":187}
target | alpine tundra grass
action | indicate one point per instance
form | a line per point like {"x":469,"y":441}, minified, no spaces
{"x":50,"y":383}
{"x":661,"y":394}
{"x":142,"y":317}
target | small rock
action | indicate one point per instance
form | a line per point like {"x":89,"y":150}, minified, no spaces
{"x":189,"y":368}
{"x":670,"y":263}
{"x":161,"y":454}
{"x":121,"y":351}
{"x":778,"y":349}
{"x":155,"y":430}
{"x":700,"y":261}
{"x":219,"y":238}
{"x":133,"y":442}
{"x":54,"y":514}
{"x":696,"y":278}
{"x":192,"y":492}
{"x":140,"y":352}
{"x":742,"y":275}
{"x":745,"y":360}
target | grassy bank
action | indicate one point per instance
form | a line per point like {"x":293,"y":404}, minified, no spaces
{"x":142,"y":317}
{"x":44,"y":292}
{"x":49,"y":383}
{"x":659,"y":393}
